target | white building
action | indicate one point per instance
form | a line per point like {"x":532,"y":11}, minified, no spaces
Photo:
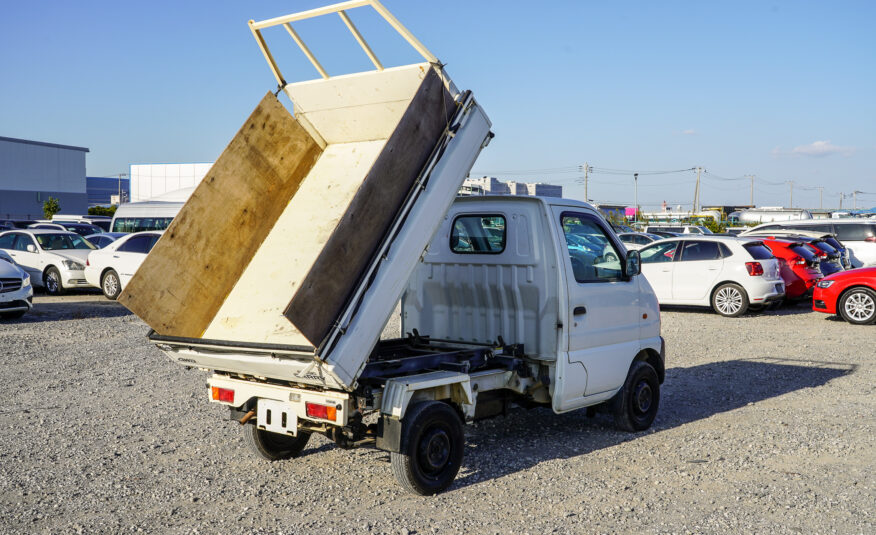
{"x":33,"y":171}
{"x":152,"y":180}
{"x":489,"y":185}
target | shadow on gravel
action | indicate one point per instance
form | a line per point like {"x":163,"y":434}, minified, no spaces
{"x":72,"y":310}
{"x":789,"y":309}
{"x":503,"y":446}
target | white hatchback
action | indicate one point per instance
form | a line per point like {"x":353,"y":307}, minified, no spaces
{"x":728,"y":274}
{"x":112,"y":267}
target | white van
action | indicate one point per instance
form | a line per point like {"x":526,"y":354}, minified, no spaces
{"x":154,"y":214}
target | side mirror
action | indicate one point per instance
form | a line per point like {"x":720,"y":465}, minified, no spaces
{"x":31,"y":248}
{"x":632,"y":264}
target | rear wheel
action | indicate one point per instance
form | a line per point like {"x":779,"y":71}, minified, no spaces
{"x":274,"y":446}
{"x":52,"y":281}
{"x":858,"y":306}
{"x":111,"y":285}
{"x":635,"y":405}
{"x":432,"y":448}
{"x":730,"y":300}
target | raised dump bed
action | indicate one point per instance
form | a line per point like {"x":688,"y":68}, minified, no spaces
{"x":291,"y":254}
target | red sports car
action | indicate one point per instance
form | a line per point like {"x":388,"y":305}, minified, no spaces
{"x":851,"y":294}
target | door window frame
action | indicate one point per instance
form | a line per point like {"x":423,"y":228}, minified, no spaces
{"x":619,"y":249}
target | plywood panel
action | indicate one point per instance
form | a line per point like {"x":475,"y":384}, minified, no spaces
{"x":185,"y":279}
{"x":253,"y":312}
{"x":322,"y":295}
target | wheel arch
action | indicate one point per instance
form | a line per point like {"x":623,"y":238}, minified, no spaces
{"x":652,"y":357}
{"x":46,"y":271}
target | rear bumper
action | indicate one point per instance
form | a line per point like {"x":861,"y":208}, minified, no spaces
{"x":766,"y":291}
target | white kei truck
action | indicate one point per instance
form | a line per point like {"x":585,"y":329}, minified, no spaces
{"x":280,"y":273}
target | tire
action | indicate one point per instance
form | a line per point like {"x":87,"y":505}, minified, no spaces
{"x":111,"y":285}
{"x":635,"y":406}
{"x":730,"y":300}
{"x":432,"y":447}
{"x":12,"y":315}
{"x":52,"y":282}
{"x":858,"y":306}
{"x":274,"y":446}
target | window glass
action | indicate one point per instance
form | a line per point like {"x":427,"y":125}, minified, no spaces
{"x":659,"y":252}
{"x":725,"y":251}
{"x":56,"y":242}
{"x":140,"y":224}
{"x":803,"y":251}
{"x":758,"y":251}
{"x":22,"y":241}
{"x":855,"y":231}
{"x":478,"y":234}
{"x":593,"y":256}
{"x":642,"y":240}
{"x":824,"y":246}
{"x":700,"y":250}
{"x":136,"y":244}
{"x":628,"y":238}
{"x":6,"y":241}
{"x":833,"y":243}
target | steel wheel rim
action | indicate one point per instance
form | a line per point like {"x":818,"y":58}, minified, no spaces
{"x":52,"y":282}
{"x":728,"y":300}
{"x":642,"y":398}
{"x":110,"y":285}
{"x":434,"y":452}
{"x":859,"y":306}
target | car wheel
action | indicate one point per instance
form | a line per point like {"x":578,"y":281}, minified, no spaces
{"x":52,"y":281}
{"x":730,"y":300}
{"x":635,"y":405}
{"x":274,"y":446}
{"x":111,"y":285}
{"x":858,"y":306}
{"x":432,"y":446}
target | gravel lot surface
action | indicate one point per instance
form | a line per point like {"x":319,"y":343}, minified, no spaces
{"x":766,"y":425}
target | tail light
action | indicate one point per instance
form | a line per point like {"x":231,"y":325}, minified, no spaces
{"x":323,"y":412}
{"x":799,"y":260}
{"x":87,"y":263}
{"x":871,"y":239}
{"x":226,"y":395}
{"x":754,"y":268}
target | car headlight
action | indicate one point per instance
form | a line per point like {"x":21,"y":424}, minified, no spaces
{"x":71,"y":265}
{"x":825,"y":284}
{"x":25,"y":280}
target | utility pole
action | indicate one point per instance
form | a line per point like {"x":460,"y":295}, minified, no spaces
{"x":586,"y":169}
{"x":636,"y":182}
{"x":697,"y":192}
{"x":855,"y":197}
{"x":752,"y":190}
{"x":841,"y":200}
{"x":791,"y":183}
{"x":121,"y":175}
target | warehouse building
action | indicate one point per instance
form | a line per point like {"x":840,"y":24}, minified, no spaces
{"x":33,"y":171}
{"x":105,"y":190}
{"x":152,"y":180}
{"x":490,"y":185}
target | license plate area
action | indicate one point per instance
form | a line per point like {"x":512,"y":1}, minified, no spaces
{"x":277,"y":417}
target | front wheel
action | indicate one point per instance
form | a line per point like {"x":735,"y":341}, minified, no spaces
{"x":730,"y":300}
{"x":635,"y":405}
{"x":111,"y":285}
{"x":274,"y":446}
{"x":52,"y":281}
{"x":432,"y":447}
{"x":858,"y":306}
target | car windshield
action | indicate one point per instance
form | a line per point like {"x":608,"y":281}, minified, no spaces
{"x":56,"y":242}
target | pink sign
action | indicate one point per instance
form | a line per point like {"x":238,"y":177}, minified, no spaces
{"x":630,"y":211}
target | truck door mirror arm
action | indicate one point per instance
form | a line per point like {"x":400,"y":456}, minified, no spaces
{"x":632,"y":264}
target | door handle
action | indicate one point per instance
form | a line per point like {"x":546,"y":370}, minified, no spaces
{"x":115,"y":256}
{"x":579,"y":310}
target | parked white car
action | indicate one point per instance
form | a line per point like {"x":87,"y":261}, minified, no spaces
{"x":112,"y":267}
{"x":16,"y":292}
{"x":728,"y":274}
{"x":54,"y":259}
{"x":634,"y":241}
{"x":681,"y":229}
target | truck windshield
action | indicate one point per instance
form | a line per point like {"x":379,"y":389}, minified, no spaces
{"x":56,"y":242}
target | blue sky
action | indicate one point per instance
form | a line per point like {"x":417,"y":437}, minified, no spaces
{"x":780,"y":90}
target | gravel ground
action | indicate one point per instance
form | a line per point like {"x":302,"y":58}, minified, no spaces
{"x":766,"y":425}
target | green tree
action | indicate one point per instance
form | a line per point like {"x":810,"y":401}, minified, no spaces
{"x":102,"y":210}
{"x":51,"y":207}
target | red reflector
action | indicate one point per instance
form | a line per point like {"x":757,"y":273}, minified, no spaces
{"x":225,"y":395}
{"x":754,"y":268}
{"x":871,"y":239}
{"x":323,"y":412}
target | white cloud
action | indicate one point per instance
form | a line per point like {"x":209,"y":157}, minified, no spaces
{"x":819,"y":149}
{"x":689,"y":132}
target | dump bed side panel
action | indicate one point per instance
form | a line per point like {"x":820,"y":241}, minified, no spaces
{"x":322,"y":294}
{"x":184,"y":280}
